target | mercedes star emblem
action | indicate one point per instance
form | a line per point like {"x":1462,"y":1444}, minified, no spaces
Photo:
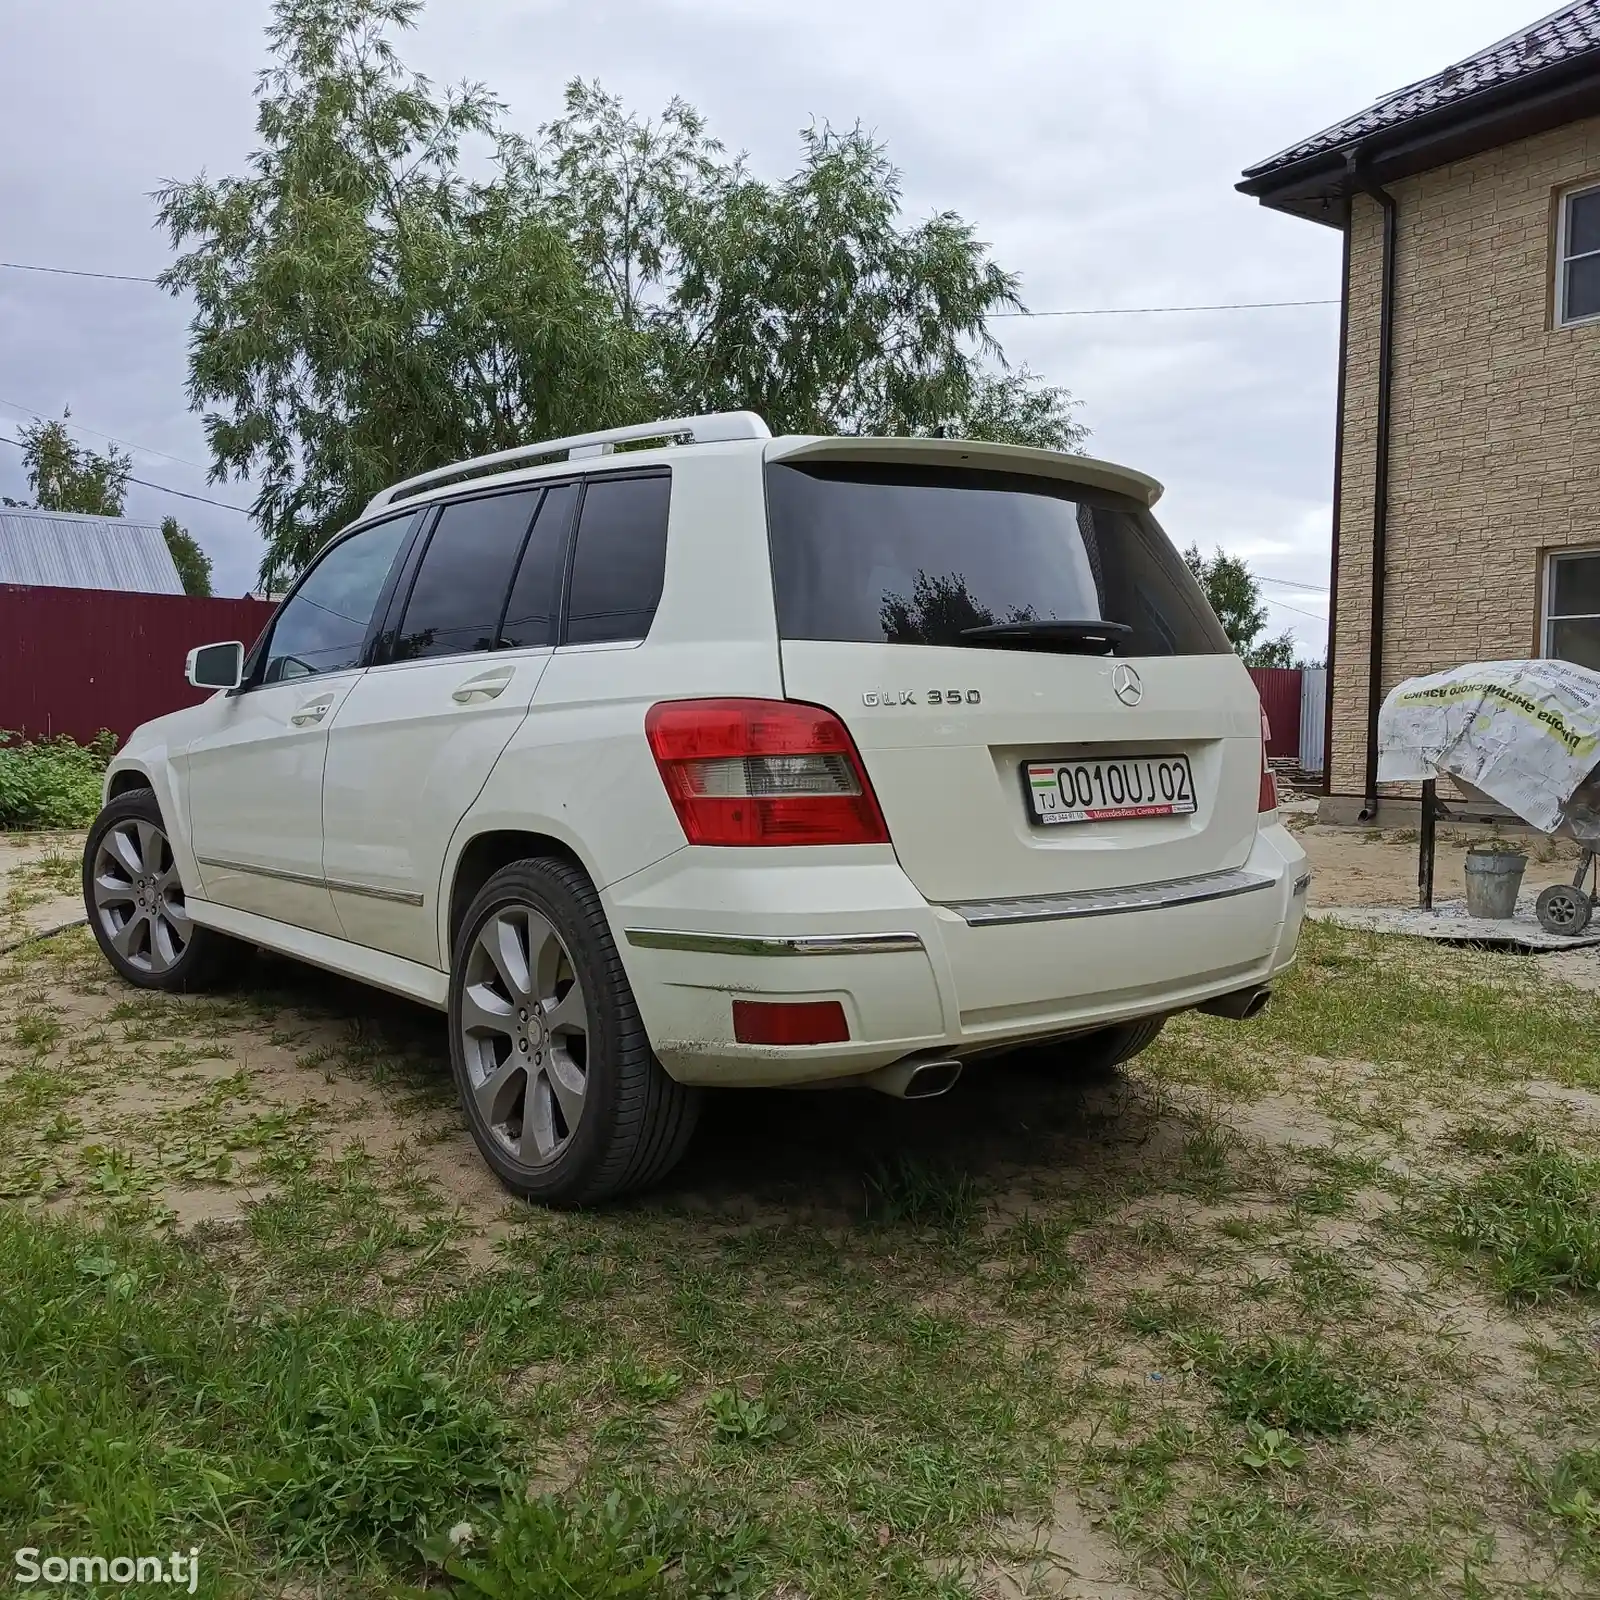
{"x":1125,"y":684}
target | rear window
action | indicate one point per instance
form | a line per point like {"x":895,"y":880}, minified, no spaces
{"x":911,"y":555}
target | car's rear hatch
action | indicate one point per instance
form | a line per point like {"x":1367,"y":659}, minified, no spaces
{"x":886,"y":553}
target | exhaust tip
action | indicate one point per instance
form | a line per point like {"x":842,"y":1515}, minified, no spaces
{"x":914,"y":1079}
{"x":1239,"y":1006}
{"x":932,"y":1078}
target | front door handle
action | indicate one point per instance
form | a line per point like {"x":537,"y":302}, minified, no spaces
{"x":484,"y":687}
{"x":308,"y":716}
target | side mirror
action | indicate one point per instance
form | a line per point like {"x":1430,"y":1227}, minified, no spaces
{"x":215,"y":666}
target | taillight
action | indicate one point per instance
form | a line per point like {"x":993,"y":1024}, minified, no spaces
{"x":762,"y":772}
{"x":1268,"y":798}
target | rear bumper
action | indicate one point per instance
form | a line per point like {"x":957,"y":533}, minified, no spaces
{"x":705,"y":926}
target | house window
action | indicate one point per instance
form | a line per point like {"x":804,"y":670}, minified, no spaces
{"x":1578,"y":257}
{"x":1572,"y":609}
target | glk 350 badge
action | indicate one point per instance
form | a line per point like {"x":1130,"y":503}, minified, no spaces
{"x":934,"y":697}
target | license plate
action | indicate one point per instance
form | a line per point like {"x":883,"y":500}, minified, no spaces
{"x":1105,"y":791}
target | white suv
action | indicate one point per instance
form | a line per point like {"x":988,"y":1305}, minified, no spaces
{"x":722,"y":760}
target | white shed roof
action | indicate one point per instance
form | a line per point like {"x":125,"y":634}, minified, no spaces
{"x":65,"y":550}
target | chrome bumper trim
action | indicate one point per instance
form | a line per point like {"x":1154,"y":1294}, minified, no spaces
{"x":1301,"y":884}
{"x":738,"y":944}
{"x":1110,"y":902}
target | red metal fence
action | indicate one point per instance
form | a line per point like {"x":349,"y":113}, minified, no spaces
{"x":75,"y":661}
{"x":1280,"y":696}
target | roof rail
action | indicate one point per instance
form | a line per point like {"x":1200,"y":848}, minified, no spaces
{"x":711,"y":429}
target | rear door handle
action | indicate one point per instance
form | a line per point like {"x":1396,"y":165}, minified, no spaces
{"x":309,"y":715}
{"x":484,"y":687}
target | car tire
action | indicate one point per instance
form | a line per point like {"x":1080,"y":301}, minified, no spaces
{"x":558,"y":1083}
{"x":1089,"y":1055}
{"x":135,"y":906}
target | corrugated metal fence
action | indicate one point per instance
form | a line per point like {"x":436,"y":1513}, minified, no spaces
{"x":1280,"y":696}
{"x":75,"y":661}
{"x":1313,"y":713}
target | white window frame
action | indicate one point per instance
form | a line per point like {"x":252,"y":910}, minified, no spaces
{"x":1563,"y":211}
{"x":1547,"y":632}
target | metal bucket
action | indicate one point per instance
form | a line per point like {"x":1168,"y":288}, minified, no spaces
{"x":1493,"y":879}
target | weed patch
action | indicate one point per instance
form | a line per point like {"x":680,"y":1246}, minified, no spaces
{"x":1291,"y":1384}
{"x":51,"y":783}
{"x":147,"y":1410}
{"x":1532,"y":1222}
{"x":912,"y":1192}
{"x":625,"y":1544}
{"x":1570,"y":1493}
{"x":1289,"y":1554}
{"x":1429,"y":1022}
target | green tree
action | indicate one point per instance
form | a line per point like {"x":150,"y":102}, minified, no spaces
{"x":193,"y":564}
{"x":365,"y":310}
{"x":811,"y":301}
{"x":1278,"y":652}
{"x":66,"y":476}
{"x":1235,"y":596}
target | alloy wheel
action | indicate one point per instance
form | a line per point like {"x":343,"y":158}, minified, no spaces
{"x":525,"y":1034}
{"x":138,"y":898}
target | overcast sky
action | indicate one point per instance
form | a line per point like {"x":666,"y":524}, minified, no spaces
{"x":1094,"y":145}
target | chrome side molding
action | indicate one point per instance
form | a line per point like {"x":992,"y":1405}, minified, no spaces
{"x":335,"y":885}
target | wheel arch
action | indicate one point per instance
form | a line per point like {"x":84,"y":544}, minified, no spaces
{"x":124,"y":780}
{"x":483,"y":855}
{"x":150,"y":769}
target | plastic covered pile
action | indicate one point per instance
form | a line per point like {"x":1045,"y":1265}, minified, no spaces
{"x":1524,"y":733}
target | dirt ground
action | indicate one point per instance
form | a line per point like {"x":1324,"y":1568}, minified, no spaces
{"x":1369,"y":867}
{"x":300,"y":1132}
{"x":1365,"y":867}
{"x":298,"y":1057}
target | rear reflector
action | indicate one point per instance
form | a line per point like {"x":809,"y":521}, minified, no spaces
{"x":789,"y":1022}
{"x":762,"y":772}
{"x":1268,"y":798}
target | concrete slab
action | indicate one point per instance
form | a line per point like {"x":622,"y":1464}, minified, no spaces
{"x":37,"y":911}
{"x":1448,"y":923}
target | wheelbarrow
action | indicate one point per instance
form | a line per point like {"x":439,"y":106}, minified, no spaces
{"x":1523,"y":736}
{"x":1566,"y":908}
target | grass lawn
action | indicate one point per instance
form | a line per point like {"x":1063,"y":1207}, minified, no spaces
{"x":1304,"y":1307}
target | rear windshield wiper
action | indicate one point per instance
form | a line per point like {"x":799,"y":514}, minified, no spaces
{"x":1051,"y":635}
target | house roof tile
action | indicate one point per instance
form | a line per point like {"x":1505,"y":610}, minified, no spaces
{"x":1570,"y":32}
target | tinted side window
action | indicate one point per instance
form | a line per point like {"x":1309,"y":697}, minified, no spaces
{"x":621,"y":559}
{"x":536,"y":594}
{"x":323,"y":624}
{"x":460,"y":588}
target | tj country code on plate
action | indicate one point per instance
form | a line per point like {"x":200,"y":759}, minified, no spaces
{"x":1103,"y":791}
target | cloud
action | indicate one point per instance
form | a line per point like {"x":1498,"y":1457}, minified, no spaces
{"x":1095,"y":146}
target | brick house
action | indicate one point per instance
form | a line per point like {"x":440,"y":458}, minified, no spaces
{"x":1467,"y":454}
